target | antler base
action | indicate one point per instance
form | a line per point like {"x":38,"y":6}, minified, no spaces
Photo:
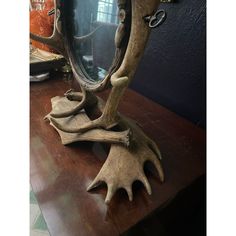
{"x":130,"y":148}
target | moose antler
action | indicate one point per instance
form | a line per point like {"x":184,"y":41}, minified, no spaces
{"x":124,"y":165}
{"x":60,"y":105}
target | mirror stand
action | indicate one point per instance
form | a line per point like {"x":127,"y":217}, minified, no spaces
{"x":73,"y":115}
{"x":130,"y":147}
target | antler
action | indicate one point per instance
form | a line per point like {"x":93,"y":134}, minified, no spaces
{"x":124,"y":165}
{"x":60,"y":106}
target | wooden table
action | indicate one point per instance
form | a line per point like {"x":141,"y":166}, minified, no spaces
{"x":60,"y":174}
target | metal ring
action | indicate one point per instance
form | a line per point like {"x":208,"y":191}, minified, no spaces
{"x":154,"y":22}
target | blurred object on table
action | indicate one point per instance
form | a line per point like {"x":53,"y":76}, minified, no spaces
{"x":39,"y":77}
{"x":42,"y":61}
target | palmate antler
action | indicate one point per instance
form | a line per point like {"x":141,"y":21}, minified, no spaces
{"x":61,"y":105}
{"x":124,"y":165}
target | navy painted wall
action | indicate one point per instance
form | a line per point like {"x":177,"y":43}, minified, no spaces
{"x":173,"y":69}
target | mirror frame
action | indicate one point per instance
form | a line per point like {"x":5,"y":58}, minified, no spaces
{"x":124,"y":14}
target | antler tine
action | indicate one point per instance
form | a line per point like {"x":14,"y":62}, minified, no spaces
{"x":129,"y":191}
{"x":111,"y":189}
{"x":70,"y":112}
{"x":155,"y":148}
{"x":146,"y":184}
{"x":97,"y":181}
{"x":158,"y":167}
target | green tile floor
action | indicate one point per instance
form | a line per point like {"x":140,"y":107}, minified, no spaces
{"x":38,"y":226}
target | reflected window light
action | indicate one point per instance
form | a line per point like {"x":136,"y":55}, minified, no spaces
{"x":107,"y":11}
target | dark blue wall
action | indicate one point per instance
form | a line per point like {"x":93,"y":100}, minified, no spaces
{"x":173,"y":69}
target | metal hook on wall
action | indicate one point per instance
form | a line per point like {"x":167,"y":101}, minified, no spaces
{"x":157,"y":19}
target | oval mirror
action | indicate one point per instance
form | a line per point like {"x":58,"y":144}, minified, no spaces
{"x":89,"y":28}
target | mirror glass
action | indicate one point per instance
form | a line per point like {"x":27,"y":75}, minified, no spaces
{"x":91,"y":27}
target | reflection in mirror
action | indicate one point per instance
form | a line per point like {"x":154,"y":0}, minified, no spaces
{"x":91,"y":27}
{"x":107,"y":11}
